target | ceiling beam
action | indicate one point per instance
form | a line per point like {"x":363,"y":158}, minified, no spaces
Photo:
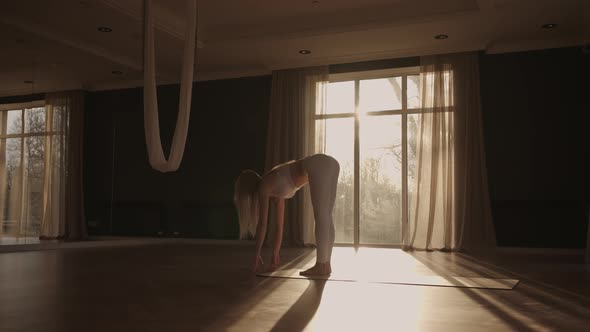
{"x":44,"y":32}
{"x":121,"y":60}
{"x":136,"y":13}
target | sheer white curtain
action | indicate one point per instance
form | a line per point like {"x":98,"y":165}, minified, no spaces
{"x":449,"y":205}
{"x":296,"y":95}
{"x":63,"y":204}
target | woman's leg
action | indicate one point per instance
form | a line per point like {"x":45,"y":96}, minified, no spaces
{"x":322,"y":172}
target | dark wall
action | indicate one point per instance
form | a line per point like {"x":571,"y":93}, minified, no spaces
{"x":537,"y":136}
{"x":227,"y":133}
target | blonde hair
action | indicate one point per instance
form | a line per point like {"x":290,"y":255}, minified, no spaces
{"x":246,"y":202}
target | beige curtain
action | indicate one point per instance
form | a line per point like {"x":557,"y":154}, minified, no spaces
{"x":63,"y":204}
{"x":297,"y":94}
{"x":449,"y":200}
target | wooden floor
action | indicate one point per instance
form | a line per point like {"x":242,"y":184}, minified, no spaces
{"x":189,"y":287}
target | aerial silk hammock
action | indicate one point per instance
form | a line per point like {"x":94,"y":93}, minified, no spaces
{"x":150,"y":98}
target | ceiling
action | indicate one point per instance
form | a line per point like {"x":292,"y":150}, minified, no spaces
{"x":56,"y":43}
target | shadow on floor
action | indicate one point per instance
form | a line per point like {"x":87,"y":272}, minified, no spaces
{"x":302,"y":311}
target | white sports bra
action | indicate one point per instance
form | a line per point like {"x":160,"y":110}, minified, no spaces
{"x":282,"y":183}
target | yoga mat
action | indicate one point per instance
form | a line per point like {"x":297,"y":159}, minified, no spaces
{"x":448,"y":281}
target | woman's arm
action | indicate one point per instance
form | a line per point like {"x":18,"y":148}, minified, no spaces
{"x":261,"y":228}
{"x":280,"y":218}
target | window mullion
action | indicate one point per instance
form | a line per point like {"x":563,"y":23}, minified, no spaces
{"x":45,"y":133}
{"x":387,"y":112}
{"x":356,"y":165}
{"x":3,"y":141}
{"x":404,"y":157}
{"x":333,"y":116}
{"x":22,"y":173}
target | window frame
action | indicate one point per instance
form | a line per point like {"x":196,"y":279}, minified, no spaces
{"x":356,"y":77}
{"x":22,"y":107}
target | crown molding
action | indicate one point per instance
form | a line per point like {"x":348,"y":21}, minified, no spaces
{"x":380,"y":55}
{"x":531,"y":45}
{"x":200,"y":77}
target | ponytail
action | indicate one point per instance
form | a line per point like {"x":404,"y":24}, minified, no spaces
{"x":246,"y":202}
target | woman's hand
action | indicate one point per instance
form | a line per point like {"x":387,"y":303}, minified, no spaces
{"x":275,"y":262}
{"x":257,"y":263}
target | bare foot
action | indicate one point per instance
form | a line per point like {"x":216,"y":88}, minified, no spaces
{"x":319,"y":269}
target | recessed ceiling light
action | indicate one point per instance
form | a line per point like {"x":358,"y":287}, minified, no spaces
{"x":441,"y":36}
{"x":304,"y":52}
{"x":549,"y":26}
{"x":117,"y":72}
{"x":104,"y":29}
{"x":28,"y":82}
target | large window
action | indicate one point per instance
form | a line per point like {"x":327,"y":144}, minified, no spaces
{"x":22,"y":167}
{"x":370,"y":127}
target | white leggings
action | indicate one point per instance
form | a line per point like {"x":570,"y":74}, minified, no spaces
{"x":322,"y":172}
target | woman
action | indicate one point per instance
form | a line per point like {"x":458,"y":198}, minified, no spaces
{"x":253,"y":194}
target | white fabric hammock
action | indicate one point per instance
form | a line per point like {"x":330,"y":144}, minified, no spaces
{"x":150,"y":98}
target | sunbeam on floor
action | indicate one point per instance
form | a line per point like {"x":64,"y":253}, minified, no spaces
{"x":187,"y":286}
